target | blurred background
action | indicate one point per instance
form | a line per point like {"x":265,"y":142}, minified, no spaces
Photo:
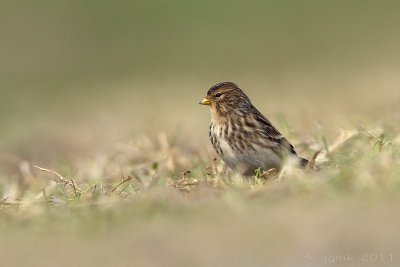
{"x":78,"y":76}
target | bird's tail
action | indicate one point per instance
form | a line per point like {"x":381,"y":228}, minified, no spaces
{"x":303,"y":162}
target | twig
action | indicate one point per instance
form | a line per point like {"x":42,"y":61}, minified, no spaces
{"x":61,"y":179}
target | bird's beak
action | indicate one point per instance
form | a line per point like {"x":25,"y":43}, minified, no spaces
{"x":205,"y":102}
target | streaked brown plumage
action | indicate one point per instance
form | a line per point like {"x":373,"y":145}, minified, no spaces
{"x":243,"y":138}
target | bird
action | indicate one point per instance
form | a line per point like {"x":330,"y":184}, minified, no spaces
{"x":242,"y":136}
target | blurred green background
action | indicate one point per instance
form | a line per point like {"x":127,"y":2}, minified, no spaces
{"x":78,"y":76}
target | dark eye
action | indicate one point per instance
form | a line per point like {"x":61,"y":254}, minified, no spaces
{"x":218,"y":95}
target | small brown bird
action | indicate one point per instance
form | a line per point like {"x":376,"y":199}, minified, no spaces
{"x":243,"y":138}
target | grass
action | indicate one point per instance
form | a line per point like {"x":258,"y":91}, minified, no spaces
{"x":162,"y":202}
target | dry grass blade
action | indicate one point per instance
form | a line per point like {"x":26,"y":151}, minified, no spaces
{"x":121,"y":183}
{"x":311,"y":164}
{"x":61,"y":179}
{"x":345,"y":135}
{"x":137,"y":178}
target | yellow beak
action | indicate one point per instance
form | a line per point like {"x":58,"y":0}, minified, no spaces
{"x":205,"y":102}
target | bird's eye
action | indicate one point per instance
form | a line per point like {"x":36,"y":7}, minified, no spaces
{"x":218,"y":95}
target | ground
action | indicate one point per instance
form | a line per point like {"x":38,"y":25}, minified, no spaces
{"x":154,"y":202}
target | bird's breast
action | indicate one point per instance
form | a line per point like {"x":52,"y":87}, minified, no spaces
{"x":219,"y":136}
{"x":240,"y":149}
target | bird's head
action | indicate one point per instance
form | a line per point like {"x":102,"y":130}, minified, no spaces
{"x":226,"y":97}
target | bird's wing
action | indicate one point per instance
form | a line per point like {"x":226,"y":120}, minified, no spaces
{"x":271,"y":133}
